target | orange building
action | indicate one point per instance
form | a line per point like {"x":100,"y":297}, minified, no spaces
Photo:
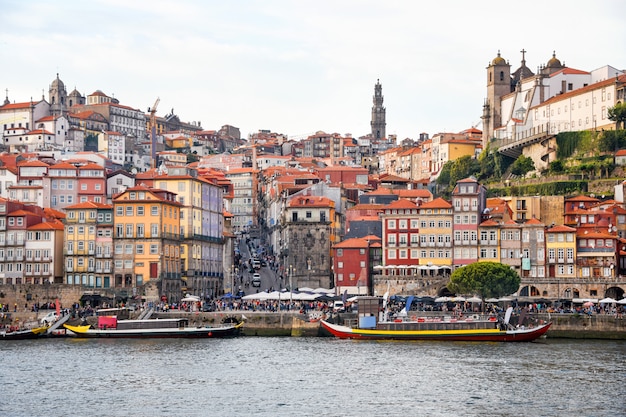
{"x":148,"y":242}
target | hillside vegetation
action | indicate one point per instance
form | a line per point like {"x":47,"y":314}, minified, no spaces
{"x":585,"y":163}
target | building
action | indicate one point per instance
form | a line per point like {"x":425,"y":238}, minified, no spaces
{"x":353,"y":263}
{"x":88,"y":246}
{"x":468,"y":202}
{"x":523,"y":111}
{"x":309,"y":232}
{"x":148,"y":243}
{"x":435,"y":237}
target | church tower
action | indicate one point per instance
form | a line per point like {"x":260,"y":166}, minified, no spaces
{"x":58,"y":97}
{"x":378,"y":113}
{"x":498,"y":85}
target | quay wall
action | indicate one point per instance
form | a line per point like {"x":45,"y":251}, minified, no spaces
{"x":569,"y":326}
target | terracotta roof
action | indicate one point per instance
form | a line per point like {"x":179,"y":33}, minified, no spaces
{"x":311,"y":201}
{"x":89,"y":205}
{"x":439,"y":203}
{"x":401,"y":204}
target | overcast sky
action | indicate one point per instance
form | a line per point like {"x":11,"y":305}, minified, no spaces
{"x":296,"y":67}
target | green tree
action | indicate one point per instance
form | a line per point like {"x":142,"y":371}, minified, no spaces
{"x":557,"y":167}
{"x":617,"y":114}
{"x":485,"y":279}
{"x":522,"y":165}
{"x":462,"y":168}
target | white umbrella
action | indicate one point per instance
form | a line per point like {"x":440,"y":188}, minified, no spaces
{"x":457,"y":299}
{"x":474,"y":300}
{"x":442,"y":299}
{"x":491,"y":300}
{"x":258,"y":296}
{"x":622,"y":301}
{"x":608,"y":300}
{"x":323,"y":290}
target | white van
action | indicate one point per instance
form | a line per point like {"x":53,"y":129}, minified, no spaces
{"x":338,"y":307}
{"x":49,"y":318}
{"x":256,"y":280}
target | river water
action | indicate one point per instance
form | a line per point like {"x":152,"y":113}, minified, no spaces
{"x":286,"y":376}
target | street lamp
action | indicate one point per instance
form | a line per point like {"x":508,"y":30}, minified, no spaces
{"x":291,"y":269}
{"x":232,"y":279}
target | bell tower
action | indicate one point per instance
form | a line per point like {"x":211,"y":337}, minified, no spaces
{"x":58,"y":97}
{"x":378,"y":122}
{"x":498,"y":85}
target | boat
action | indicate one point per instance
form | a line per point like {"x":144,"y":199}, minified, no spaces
{"x":460,"y":330}
{"x":471,"y":328}
{"x":110,"y":327}
{"x":23,"y":334}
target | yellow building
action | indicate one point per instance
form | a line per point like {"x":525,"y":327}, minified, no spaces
{"x":147,"y":242}
{"x":435,"y":234}
{"x":88,"y":246}
{"x":561,"y":254}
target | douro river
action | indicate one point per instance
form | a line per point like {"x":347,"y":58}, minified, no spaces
{"x":283,"y":376}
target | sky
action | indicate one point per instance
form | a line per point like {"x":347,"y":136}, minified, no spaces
{"x":298,"y":67}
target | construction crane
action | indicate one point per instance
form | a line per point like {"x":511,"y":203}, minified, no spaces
{"x":153,"y":131}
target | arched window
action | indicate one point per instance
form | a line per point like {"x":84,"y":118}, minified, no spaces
{"x":501,"y":75}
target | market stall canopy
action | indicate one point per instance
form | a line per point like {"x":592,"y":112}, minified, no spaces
{"x":608,"y":300}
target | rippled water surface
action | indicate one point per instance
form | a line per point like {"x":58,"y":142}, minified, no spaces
{"x":311,"y":377}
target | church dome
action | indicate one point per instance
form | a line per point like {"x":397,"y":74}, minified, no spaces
{"x":498,"y":60}
{"x":554,"y":62}
{"x":57,"y":83}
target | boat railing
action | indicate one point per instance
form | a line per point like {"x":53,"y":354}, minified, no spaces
{"x":447,"y":318}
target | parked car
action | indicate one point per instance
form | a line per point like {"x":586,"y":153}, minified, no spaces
{"x":49,"y":318}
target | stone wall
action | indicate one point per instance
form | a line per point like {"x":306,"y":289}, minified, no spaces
{"x":28,"y":294}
